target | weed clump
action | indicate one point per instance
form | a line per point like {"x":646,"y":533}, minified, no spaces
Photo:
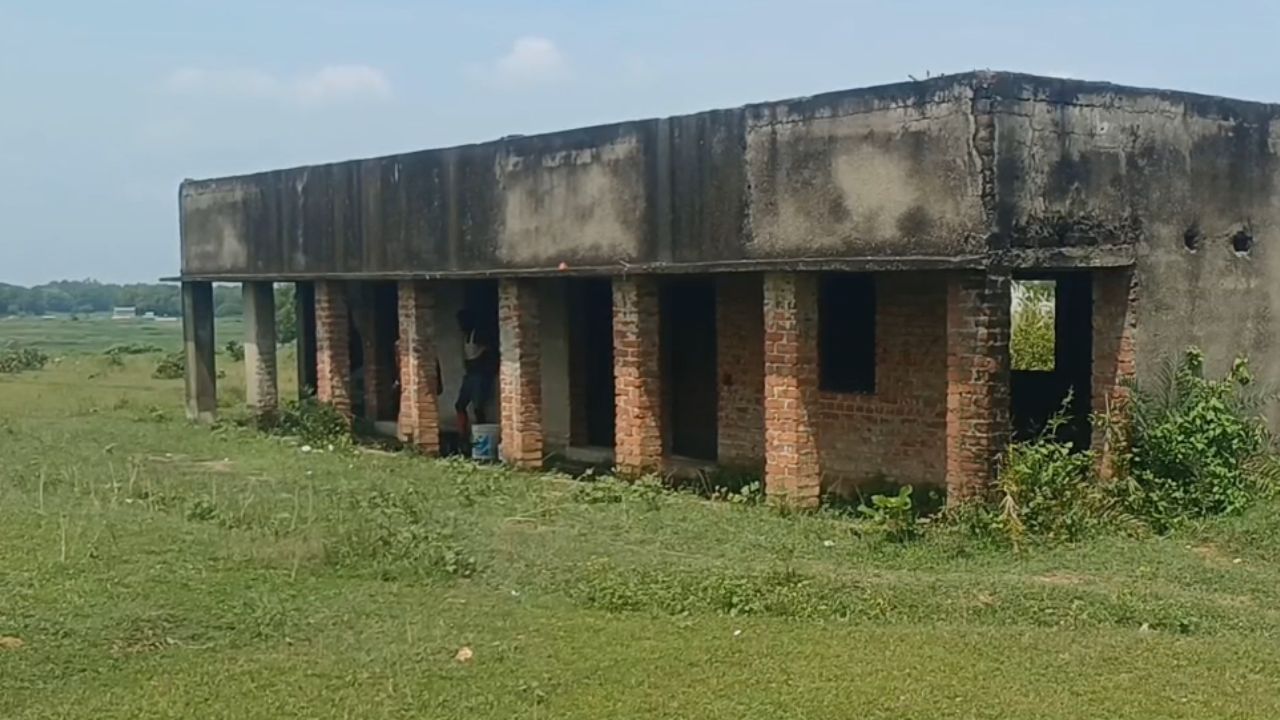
{"x":1185,"y":448}
{"x":123,"y":349}
{"x":15,"y":359}
{"x":314,"y":423}
{"x":1192,"y":447}
{"x":172,"y":366}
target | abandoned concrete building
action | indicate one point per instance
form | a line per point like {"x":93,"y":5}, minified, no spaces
{"x":816,"y":289}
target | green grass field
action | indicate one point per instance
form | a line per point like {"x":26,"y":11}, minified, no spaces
{"x":154,"y":569}
{"x":94,"y":333}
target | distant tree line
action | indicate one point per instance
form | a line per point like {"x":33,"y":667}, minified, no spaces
{"x":91,"y":296}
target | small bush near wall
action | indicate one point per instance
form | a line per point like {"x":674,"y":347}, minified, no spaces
{"x":1184,"y":447}
{"x":1190,"y":447}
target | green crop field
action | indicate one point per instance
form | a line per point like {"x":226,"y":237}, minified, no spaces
{"x":154,"y":569}
{"x":94,"y":333}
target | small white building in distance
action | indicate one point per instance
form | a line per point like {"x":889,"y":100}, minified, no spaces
{"x":127,"y":312}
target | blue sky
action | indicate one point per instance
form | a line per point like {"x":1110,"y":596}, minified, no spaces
{"x":106,"y":106}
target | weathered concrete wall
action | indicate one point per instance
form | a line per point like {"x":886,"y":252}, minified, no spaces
{"x":1182,"y":176}
{"x":888,"y":173}
{"x":858,"y":175}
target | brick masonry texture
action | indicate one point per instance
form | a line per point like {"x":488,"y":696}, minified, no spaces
{"x":333,"y":355}
{"x":520,"y":380}
{"x":638,"y":445}
{"x":1115,"y":314}
{"x":978,"y":423}
{"x":898,"y":432}
{"x":791,"y":404}
{"x":740,"y":372}
{"x":419,"y":421}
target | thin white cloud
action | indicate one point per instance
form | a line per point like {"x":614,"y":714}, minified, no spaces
{"x":343,"y":82}
{"x":531,"y":60}
{"x":329,"y":84}
{"x":226,"y":82}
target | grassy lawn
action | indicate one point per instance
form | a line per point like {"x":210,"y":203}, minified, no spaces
{"x":150,"y":568}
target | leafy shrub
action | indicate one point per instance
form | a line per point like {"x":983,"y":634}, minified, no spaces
{"x":1190,"y":447}
{"x":1031,"y":345}
{"x":398,"y":534}
{"x":235,"y":350}
{"x":892,"y":515}
{"x":1048,"y":490}
{"x":172,"y":366}
{"x":131,"y":349}
{"x":314,"y":422}
{"x":16,"y":359}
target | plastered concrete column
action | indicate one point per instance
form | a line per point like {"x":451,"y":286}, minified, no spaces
{"x":333,"y":354}
{"x":520,"y":379}
{"x":637,"y":372}
{"x":419,"y":421}
{"x":978,"y":372}
{"x":793,"y":471}
{"x":198,"y":344}
{"x":262,"y":393}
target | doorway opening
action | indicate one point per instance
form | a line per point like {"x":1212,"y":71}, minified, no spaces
{"x":1051,"y":348}
{"x":688,"y":311}
{"x":591,"y":387}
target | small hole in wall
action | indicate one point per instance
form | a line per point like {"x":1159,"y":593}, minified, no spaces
{"x":1242,"y":242}
{"x":1191,"y":238}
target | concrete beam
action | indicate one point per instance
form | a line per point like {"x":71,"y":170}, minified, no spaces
{"x":198,"y":342}
{"x":262,"y":391}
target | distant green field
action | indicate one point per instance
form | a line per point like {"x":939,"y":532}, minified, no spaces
{"x":95,"y":333}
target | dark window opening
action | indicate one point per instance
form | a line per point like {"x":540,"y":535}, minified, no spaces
{"x":591,"y":386}
{"x":688,"y":350}
{"x":847,"y":333}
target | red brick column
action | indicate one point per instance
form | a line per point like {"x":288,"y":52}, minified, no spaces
{"x":333,"y":357}
{"x":637,"y":373}
{"x":419,"y":421}
{"x":520,"y":380}
{"x":792,"y":468}
{"x":740,"y":371}
{"x":1115,"y":320}
{"x":978,"y":425}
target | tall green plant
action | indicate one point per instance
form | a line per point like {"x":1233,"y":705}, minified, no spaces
{"x":1031,"y":345}
{"x":1188,"y":446}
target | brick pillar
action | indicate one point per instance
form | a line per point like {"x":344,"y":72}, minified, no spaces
{"x":1115,"y":316}
{"x":419,"y":421}
{"x":978,"y":425}
{"x":740,"y":371}
{"x":792,"y":469}
{"x":333,"y":352}
{"x":262,"y":393}
{"x":198,"y":340}
{"x":638,"y":411}
{"x":520,"y":380}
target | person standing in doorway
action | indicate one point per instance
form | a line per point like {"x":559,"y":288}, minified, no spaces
{"x":479,"y":361}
